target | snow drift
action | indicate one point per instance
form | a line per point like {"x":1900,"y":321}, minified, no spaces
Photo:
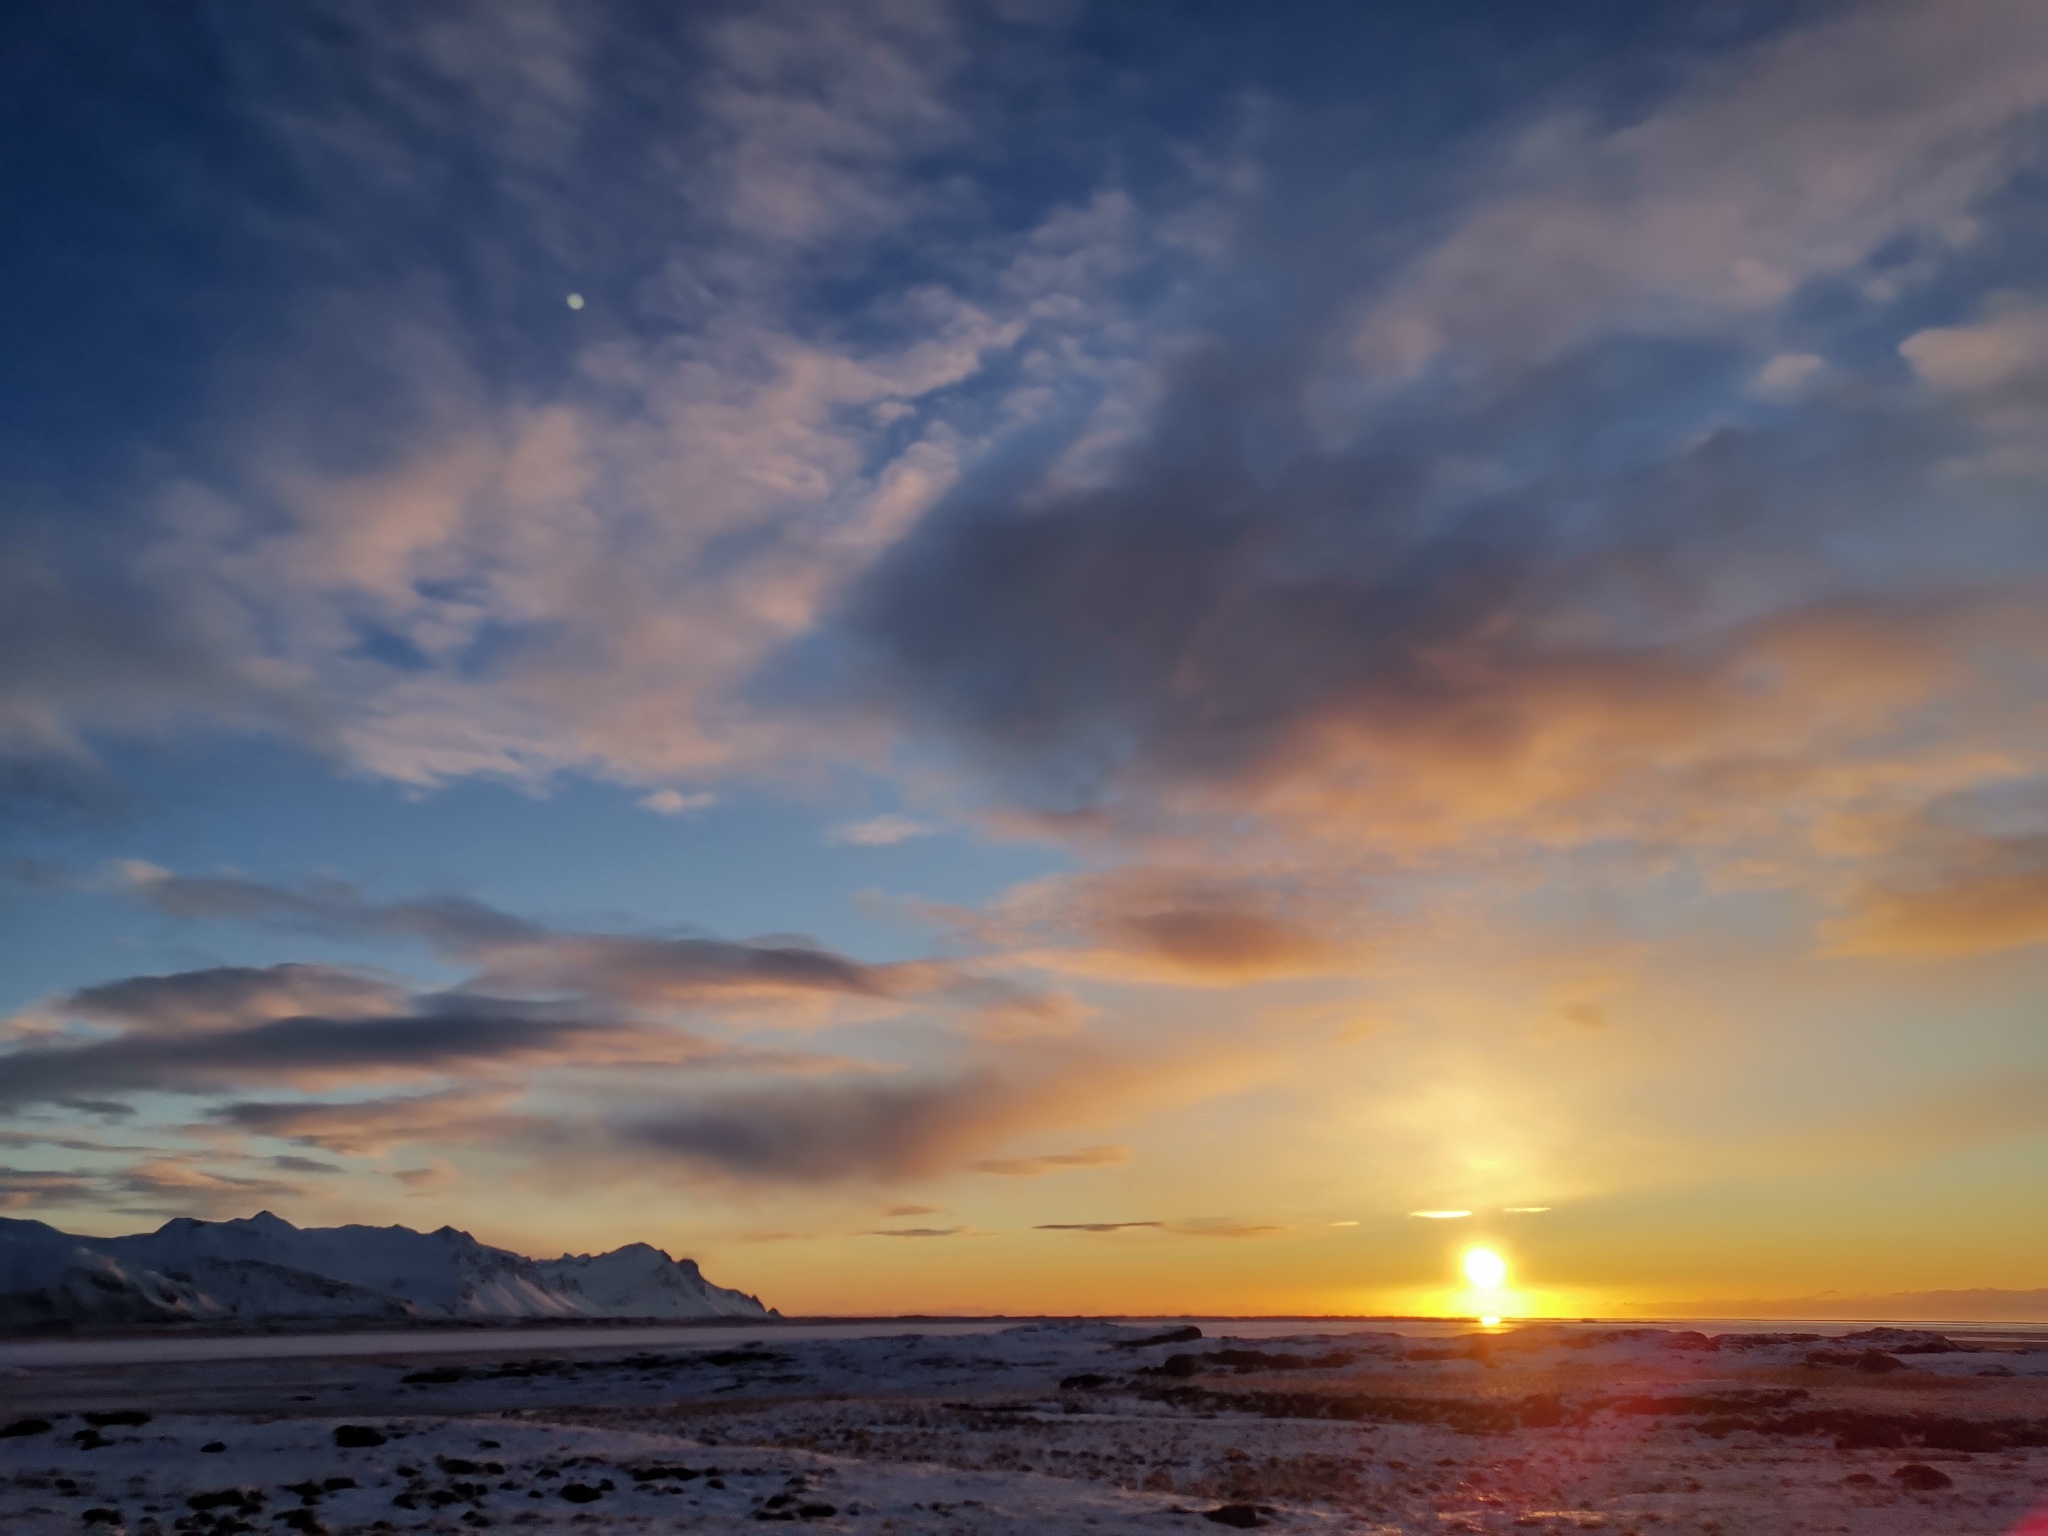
{"x":264,"y":1269}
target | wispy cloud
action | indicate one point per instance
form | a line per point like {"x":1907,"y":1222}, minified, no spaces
{"x":675,"y":802}
{"x":1052,"y":1162}
{"x":880,"y":831}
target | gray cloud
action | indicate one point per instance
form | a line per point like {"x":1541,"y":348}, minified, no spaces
{"x":171,"y":1045}
{"x":829,"y":1131}
{"x":1571,"y":587}
{"x":227,"y":996}
{"x":23,"y":1189}
{"x":75,"y":662}
{"x":517,"y":957}
{"x":331,"y":908}
{"x":374,"y":1126}
{"x":1329,"y":635}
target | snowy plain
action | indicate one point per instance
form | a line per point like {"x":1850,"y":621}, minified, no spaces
{"x":1079,"y":1426}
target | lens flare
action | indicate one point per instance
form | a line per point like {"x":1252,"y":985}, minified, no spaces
{"x":1486,"y":1269}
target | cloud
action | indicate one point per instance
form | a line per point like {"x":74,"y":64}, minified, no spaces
{"x":75,"y":662}
{"x":230,"y":997}
{"x":842,"y":1131}
{"x":502,"y":542}
{"x":1787,"y":375}
{"x":289,"y":1163}
{"x":888,"y":1127}
{"x":1876,"y":124}
{"x":331,"y":908}
{"x":180,"y":1186}
{"x":1222,"y":1226}
{"x":673,"y":802}
{"x":213,"y":1030}
{"x":1187,"y":926}
{"x":1981,"y":896}
{"x":516,"y":957}
{"x":913,"y":1210}
{"x":880,"y":831}
{"x":645,"y":971}
{"x":27,"y":1189}
{"x":1193,"y":1226}
{"x":372,"y":1127}
{"x":916,"y":1232}
{"x":303,"y":1051}
{"x":1441,"y":1215}
{"x":1052,"y":1162}
{"x":1999,"y":351}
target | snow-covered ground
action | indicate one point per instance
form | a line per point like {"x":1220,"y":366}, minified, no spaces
{"x":1054,"y":1427}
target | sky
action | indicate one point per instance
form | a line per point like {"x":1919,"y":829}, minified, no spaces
{"x":1032,"y":655}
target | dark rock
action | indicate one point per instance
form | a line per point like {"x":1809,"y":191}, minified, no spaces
{"x":1921,"y":1478}
{"x":440,"y":1376}
{"x":1186,"y":1335}
{"x":580,"y":1493}
{"x":127,"y":1418}
{"x":1087,"y":1381}
{"x":90,"y":1440}
{"x":222,"y":1498}
{"x":213,"y":1447}
{"x":817,"y":1511}
{"x":1243,"y":1516}
{"x":336,"y":1484}
{"x":101,"y":1517}
{"x":22,"y":1427}
{"x":357,"y":1437}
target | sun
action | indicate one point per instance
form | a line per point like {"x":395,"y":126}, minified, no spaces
{"x":1487,"y":1270}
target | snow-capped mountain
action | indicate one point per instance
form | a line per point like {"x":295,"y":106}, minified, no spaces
{"x":263,"y":1269}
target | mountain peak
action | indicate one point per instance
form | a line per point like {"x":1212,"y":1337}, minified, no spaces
{"x":262,"y":1268}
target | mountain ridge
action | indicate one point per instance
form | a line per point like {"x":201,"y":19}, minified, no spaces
{"x":262,"y":1269}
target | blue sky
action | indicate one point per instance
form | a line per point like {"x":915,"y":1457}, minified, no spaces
{"x":710,"y":624}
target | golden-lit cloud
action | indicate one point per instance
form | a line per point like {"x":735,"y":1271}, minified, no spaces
{"x":1984,"y":896}
{"x":1193,"y":926}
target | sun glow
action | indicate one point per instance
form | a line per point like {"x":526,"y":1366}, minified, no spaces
{"x":1486,"y":1269}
